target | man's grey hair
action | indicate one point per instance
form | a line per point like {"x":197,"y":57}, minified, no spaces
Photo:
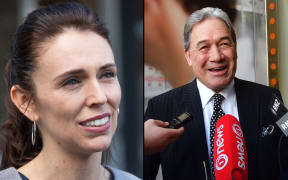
{"x":202,"y":14}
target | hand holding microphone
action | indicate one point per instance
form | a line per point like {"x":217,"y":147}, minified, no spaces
{"x":230,"y":155}
{"x":157,"y":136}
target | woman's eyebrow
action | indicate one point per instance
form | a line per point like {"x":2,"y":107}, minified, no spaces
{"x":69,"y":73}
{"x":108,"y":66}
{"x":80,"y":71}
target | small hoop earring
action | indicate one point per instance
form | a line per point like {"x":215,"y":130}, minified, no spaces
{"x":33,"y":133}
{"x":118,"y":110}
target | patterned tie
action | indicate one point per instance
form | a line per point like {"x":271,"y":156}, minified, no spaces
{"x":217,"y":114}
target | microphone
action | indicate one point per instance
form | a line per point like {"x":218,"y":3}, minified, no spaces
{"x":180,"y":120}
{"x":280,"y":111}
{"x":230,"y":155}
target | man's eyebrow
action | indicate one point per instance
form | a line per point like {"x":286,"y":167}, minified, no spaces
{"x":201,"y":42}
{"x":225,"y":38}
{"x":221,"y":39}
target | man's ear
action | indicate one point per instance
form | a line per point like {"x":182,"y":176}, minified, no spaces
{"x":187,"y":56}
{"x":23,"y":101}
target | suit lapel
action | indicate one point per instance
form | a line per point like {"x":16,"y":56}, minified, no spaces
{"x":192,"y":102}
{"x":247,"y":110}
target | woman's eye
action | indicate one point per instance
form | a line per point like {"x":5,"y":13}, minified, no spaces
{"x":71,"y":82}
{"x":108,"y":74}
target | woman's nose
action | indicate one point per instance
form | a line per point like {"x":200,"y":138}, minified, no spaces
{"x":95,"y":94}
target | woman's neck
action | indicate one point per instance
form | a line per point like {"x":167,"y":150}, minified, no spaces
{"x":58,"y":164}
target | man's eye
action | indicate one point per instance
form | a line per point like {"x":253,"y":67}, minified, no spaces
{"x":203,"y":47}
{"x":71,"y":82}
{"x":225,"y":44}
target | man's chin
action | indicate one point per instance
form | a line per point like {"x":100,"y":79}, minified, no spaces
{"x":218,"y":85}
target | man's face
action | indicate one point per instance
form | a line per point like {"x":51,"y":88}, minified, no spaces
{"x":212,"y":54}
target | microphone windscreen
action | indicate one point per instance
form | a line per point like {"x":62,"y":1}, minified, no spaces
{"x":230,"y":155}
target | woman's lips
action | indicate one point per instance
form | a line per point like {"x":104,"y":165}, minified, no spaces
{"x":97,"y":124}
{"x":97,"y":129}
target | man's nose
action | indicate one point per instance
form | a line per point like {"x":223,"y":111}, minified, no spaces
{"x":215,"y":54}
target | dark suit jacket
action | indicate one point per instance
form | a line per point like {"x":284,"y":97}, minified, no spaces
{"x":184,"y":158}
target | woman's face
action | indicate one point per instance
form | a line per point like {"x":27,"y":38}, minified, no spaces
{"x":77,"y":92}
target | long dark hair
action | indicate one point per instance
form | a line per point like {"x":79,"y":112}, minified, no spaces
{"x":39,"y":26}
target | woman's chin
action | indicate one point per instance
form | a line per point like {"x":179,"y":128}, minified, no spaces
{"x":99,"y":145}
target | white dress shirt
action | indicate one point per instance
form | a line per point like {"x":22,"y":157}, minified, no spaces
{"x":229,"y":104}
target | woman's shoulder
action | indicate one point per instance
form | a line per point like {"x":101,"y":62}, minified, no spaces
{"x":121,"y":175}
{"x":10,"y":173}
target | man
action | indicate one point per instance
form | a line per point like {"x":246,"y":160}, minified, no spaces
{"x":210,"y":50}
{"x":163,"y":28}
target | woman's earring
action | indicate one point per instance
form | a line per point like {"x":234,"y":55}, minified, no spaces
{"x":33,"y":133}
{"x":118,"y":111}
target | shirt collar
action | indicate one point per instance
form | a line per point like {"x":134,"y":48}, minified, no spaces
{"x":206,"y":93}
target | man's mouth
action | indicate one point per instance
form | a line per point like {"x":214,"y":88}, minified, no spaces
{"x":217,"y":69}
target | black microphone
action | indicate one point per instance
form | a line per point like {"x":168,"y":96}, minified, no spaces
{"x":180,"y":120}
{"x":280,"y":111}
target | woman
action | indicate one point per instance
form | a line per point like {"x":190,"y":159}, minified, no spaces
{"x":64,"y":97}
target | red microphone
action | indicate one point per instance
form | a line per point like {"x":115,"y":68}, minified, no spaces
{"x":230,"y":155}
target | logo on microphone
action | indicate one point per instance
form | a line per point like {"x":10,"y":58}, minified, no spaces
{"x":240,"y":145}
{"x":236,"y":128}
{"x":275,"y":106}
{"x":221,"y":161}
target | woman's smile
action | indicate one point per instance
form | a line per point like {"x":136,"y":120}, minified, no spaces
{"x":96,"y":124}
